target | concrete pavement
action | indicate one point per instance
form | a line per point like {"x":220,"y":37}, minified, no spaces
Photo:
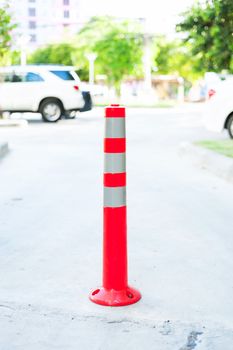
{"x":12,"y":122}
{"x":3,"y":149}
{"x":214,"y":162}
{"x":179,"y":233}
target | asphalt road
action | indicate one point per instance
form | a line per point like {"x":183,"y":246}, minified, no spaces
{"x":180,"y":238}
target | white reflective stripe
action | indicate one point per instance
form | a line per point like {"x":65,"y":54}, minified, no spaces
{"x":115,"y":127}
{"x":114,"y":197}
{"x":114,"y":163}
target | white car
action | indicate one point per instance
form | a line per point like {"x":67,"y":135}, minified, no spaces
{"x":52,"y":90}
{"x":218,"y":110}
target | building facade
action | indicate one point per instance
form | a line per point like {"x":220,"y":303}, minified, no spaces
{"x":40,"y":22}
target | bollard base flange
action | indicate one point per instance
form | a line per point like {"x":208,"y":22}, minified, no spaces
{"x":112,"y":297}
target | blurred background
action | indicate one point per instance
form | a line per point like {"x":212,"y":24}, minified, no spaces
{"x":170,"y":63}
{"x":141,"y":54}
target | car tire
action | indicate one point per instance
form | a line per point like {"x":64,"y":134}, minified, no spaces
{"x":51,"y":110}
{"x":70,"y":114}
{"x":230,"y":126}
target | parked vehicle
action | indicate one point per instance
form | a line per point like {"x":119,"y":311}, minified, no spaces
{"x":218,"y":111}
{"x":51,"y":90}
{"x":212,"y":81}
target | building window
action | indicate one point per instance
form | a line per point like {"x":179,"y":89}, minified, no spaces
{"x":66,"y":2}
{"x":31,"y":11}
{"x":32,"y":25}
{"x":32,"y":38}
{"x":66,"y":14}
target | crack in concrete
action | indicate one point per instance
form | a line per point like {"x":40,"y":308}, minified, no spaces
{"x":7,"y":307}
{"x":29,"y":308}
{"x":165,"y":328}
{"x":124,"y":320}
{"x":191,"y":340}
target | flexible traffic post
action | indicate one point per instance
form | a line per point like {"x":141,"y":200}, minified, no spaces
{"x":115,"y":290}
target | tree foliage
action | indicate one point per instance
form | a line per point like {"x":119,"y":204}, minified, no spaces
{"x":175,"y":58}
{"x":54,"y":53}
{"x":6,"y":28}
{"x":208,"y":28}
{"x":118,"y":45}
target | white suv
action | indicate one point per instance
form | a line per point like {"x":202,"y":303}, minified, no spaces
{"x":218,"y":110}
{"x":51,"y":90}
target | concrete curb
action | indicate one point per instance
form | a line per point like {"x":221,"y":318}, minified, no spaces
{"x":3,"y":149}
{"x":12,"y":122}
{"x":216,"y":163}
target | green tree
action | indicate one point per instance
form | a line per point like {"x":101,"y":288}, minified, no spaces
{"x":208,"y":28}
{"x":6,"y":28}
{"x":56,"y":53}
{"x":118,"y":45}
{"x":175,"y":58}
{"x":62,"y":53}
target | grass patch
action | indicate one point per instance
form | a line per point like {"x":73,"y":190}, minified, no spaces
{"x":165,"y":104}
{"x":224,"y":147}
{"x":155,"y":105}
{"x":138,"y":104}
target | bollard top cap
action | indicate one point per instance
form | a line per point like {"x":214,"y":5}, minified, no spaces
{"x":115,"y":111}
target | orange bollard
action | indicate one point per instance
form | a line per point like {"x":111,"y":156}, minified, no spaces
{"x":115,"y":290}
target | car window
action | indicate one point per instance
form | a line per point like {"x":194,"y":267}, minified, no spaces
{"x":20,"y":77}
{"x":63,"y":74}
{"x":10,"y":77}
{"x":15,"y":78}
{"x":33,"y":77}
{"x":4,"y":77}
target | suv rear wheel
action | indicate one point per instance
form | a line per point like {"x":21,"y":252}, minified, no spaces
{"x":70,"y":114}
{"x":51,"y":110}
{"x":230,"y":126}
